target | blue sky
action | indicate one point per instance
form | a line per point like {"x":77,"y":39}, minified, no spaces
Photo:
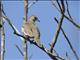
{"x":45,"y":12}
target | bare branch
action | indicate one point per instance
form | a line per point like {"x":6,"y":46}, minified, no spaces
{"x":58,"y":26}
{"x":70,"y":19}
{"x":2,"y":42}
{"x":57,"y":33}
{"x":73,"y":50}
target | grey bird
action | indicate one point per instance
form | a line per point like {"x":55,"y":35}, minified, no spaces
{"x":30,"y":29}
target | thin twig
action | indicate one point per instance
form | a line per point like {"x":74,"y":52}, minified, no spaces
{"x":32,"y":4}
{"x":67,"y":56}
{"x":58,"y":55}
{"x":54,"y":5}
{"x":68,"y":9}
{"x":30,"y":57}
{"x":59,"y":6}
{"x":19,"y":50}
{"x":72,"y":21}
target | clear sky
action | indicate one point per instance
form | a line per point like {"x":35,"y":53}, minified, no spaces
{"x":45,"y":12}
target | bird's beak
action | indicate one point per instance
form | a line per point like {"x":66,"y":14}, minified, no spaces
{"x":38,"y":20}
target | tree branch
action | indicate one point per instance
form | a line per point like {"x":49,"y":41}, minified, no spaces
{"x":72,"y":21}
{"x":26,"y":8}
{"x":2,"y":50}
{"x":73,"y":50}
{"x":2,"y":42}
{"x":68,"y":9}
{"x":62,"y":9}
{"x":62,"y":6}
{"x":41,"y":47}
{"x":25,"y":45}
{"x":57,"y":33}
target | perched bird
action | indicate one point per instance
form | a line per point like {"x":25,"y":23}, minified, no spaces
{"x":30,"y":29}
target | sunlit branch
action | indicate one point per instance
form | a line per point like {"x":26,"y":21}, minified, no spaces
{"x":56,"y":34}
{"x":58,"y":26}
{"x":25,"y":45}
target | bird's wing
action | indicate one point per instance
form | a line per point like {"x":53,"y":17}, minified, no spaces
{"x":36,"y":34}
{"x":35,"y":31}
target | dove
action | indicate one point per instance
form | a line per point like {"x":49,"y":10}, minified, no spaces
{"x":30,"y":29}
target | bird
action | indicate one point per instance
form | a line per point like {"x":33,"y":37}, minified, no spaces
{"x":30,"y":29}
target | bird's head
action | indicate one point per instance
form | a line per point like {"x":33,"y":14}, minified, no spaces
{"x":34,"y":19}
